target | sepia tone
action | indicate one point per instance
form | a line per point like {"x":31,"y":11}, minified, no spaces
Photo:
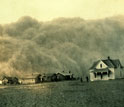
{"x":62,"y":53}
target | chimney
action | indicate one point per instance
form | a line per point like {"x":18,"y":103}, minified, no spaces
{"x":108,"y":57}
{"x":69,"y":71}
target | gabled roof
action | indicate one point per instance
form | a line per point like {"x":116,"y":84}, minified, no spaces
{"x":116,"y":63}
{"x":49,"y":74}
{"x":94,"y":64}
{"x":9,"y":78}
{"x":65,"y":74}
{"x":29,"y":77}
{"x":109,"y":62}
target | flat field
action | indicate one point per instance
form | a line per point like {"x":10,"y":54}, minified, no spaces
{"x":64,"y":94}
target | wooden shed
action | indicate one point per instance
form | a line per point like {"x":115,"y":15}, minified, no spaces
{"x":49,"y":77}
{"x":60,"y":77}
{"x":29,"y":79}
{"x":64,"y":76}
{"x":10,"y":80}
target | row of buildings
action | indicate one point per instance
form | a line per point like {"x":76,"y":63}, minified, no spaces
{"x":100,"y":70}
{"x":37,"y":78}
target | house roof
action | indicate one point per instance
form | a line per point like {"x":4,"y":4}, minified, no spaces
{"x":116,"y":63}
{"x":29,"y":77}
{"x":94,"y":64}
{"x":109,"y":62}
{"x":49,"y":74}
{"x":64,"y":73}
{"x":9,"y":78}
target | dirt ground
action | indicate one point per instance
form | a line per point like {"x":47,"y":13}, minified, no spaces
{"x":64,"y":94}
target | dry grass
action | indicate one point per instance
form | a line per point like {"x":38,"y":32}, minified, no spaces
{"x":64,"y":94}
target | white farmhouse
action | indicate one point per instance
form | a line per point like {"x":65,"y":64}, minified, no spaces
{"x":106,"y":69}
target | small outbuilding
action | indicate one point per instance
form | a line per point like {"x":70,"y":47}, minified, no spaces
{"x":49,"y":77}
{"x":30,"y":79}
{"x":38,"y":78}
{"x":10,"y":80}
{"x":64,"y":76}
{"x":60,"y":77}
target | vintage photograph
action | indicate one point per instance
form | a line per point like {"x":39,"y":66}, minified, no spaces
{"x":61,"y":53}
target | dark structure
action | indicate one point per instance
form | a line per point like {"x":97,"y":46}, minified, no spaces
{"x":60,"y":77}
{"x":49,"y":77}
{"x":56,"y":77}
{"x":87,"y":78}
{"x":65,"y":76}
{"x":10,"y":80}
{"x":81,"y":79}
{"x":38,"y":78}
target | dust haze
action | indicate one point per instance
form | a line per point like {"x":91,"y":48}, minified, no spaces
{"x":32,"y":46}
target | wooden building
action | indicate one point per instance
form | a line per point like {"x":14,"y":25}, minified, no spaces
{"x":106,"y":69}
{"x":48,"y":77}
{"x":10,"y":80}
{"x":29,"y":79}
{"x":64,"y":76}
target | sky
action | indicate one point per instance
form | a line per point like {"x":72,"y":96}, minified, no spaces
{"x":45,"y":10}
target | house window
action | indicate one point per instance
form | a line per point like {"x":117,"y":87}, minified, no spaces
{"x":100,"y":65}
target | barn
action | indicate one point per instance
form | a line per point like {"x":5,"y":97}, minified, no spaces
{"x":106,"y":69}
